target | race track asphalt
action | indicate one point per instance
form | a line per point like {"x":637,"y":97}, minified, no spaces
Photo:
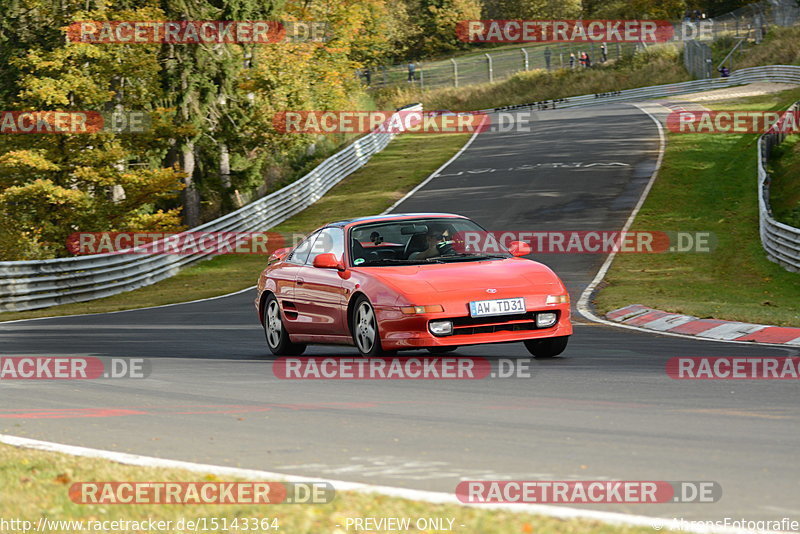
{"x":604,"y":410}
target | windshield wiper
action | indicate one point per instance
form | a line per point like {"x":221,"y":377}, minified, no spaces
{"x":464,"y":256}
{"x":397,"y":262}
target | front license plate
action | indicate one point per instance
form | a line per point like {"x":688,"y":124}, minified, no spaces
{"x":482,"y":308}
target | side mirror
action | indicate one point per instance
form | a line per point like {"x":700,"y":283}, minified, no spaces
{"x":519,"y":248}
{"x":328,"y":260}
{"x":279,"y":254}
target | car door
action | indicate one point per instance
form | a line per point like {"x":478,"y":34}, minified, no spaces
{"x":286,"y":284}
{"x":319,"y":293}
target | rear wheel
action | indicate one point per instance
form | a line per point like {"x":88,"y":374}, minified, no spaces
{"x":277,"y":336}
{"x":548,"y":347}
{"x":441,"y":350}
{"x":365,"y":330}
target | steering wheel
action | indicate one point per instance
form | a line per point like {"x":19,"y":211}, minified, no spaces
{"x":407,"y":248}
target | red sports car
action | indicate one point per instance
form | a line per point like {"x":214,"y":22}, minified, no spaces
{"x":397,"y":282}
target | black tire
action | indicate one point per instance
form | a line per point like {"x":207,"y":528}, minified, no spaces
{"x":441,"y":350}
{"x":365,"y":330}
{"x":277,"y":336}
{"x":548,"y":347}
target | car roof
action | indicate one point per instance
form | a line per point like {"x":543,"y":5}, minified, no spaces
{"x":394,"y":216}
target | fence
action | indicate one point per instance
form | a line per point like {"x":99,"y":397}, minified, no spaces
{"x":780,"y":241}
{"x":747,"y":23}
{"x":495,"y":65}
{"x":697,"y":59}
{"x":29,"y":285}
{"x":754,"y":20}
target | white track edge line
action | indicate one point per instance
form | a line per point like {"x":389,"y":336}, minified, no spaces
{"x":437,"y":171}
{"x":614,"y":518}
{"x":583,"y":306}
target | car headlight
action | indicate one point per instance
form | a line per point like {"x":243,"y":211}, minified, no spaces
{"x":557,"y":299}
{"x":545,"y":319}
{"x":441,"y":328}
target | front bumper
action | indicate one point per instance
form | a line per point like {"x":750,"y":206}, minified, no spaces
{"x":399,"y":331}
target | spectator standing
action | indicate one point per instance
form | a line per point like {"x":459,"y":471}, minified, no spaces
{"x":547,"y":55}
{"x":412,"y":68}
{"x":603,"y":52}
{"x":572,"y":60}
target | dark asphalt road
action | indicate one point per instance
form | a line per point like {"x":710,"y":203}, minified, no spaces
{"x":605,"y":410}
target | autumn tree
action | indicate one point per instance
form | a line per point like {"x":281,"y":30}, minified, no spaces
{"x":52,"y":185}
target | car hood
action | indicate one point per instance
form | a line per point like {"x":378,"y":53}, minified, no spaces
{"x":450,"y":277}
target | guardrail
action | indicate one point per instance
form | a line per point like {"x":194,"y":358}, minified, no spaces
{"x":30,"y":285}
{"x":780,"y":241}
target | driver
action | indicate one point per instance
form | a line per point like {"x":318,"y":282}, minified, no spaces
{"x":437,"y":240}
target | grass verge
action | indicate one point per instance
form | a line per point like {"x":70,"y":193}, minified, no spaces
{"x":388,"y":176}
{"x":37,"y":485}
{"x":708,"y":183}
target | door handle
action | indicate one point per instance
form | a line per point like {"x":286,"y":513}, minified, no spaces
{"x":299,"y":281}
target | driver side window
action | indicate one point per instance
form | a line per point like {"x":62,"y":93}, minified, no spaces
{"x":329,"y":240}
{"x":300,"y":253}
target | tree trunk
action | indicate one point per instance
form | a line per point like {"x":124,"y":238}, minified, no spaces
{"x":191,"y":198}
{"x":224,"y":166}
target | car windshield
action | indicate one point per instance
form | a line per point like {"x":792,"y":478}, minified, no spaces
{"x":418,"y":242}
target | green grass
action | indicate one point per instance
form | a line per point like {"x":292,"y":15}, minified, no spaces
{"x":388,"y":176}
{"x":780,"y":47}
{"x":35,"y":484}
{"x":784,"y":189}
{"x":708,"y":183}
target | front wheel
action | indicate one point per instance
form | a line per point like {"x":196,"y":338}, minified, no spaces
{"x":365,"y":329}
{"x":548,"y":347}
{"x":277,"y":336}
